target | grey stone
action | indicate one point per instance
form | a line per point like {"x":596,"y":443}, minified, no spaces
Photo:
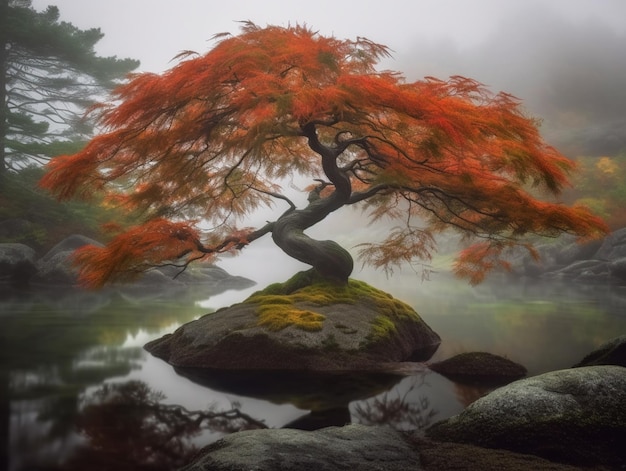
{"x":55,"y":267}
{"x":613,"y":246}
{"x":231,"y":338}
{"x":15,"y":253}
{"x":612,"y":352}
{"x":68,"y":245}
{"x":617,"y":268}
{"x":335,"y":448}
{"x":575,"y":416}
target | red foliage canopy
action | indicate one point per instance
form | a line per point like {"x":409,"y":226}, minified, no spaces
{"x":212,"y":138}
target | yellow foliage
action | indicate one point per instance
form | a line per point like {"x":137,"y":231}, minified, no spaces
{"x":607,"y":165}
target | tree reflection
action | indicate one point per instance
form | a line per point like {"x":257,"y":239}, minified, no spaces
{"x":402,"y":411}
{"x":127,"y":426}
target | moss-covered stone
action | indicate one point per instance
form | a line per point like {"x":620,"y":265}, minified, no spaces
{"x":277,"y":316}
{"x":307,"y":324}
{"x":277,"y":303}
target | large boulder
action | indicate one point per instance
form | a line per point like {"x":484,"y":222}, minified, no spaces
{"x":302,"y":325}
{"x":351,"y":447}
{"x":358,"y":447}
{"x":575,"y":416}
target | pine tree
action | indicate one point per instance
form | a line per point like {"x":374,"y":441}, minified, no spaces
{"x":50,"y":73}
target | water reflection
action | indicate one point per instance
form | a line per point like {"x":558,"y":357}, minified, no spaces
{"x":407,"y":410}
{"x":307,"y":390}
{"x":77,"y":389}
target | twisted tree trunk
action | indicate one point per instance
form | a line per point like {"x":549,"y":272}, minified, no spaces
{"x":327,"y":257}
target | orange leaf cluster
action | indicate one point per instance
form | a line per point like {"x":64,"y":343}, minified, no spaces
{"x":212,"y":138}
{"x":133,"y":252}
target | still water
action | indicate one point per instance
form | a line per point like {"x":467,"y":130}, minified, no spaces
{"x":77,"y":391}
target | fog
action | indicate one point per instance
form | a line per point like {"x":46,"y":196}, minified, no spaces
{"x":564,"y":59}
{"x":569,"y":73}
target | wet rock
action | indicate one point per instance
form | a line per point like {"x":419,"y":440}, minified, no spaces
{"x":481,"y":367}
{"x":575,"y":416}
{"x":612,"y":352}
{"x":351,"y":447}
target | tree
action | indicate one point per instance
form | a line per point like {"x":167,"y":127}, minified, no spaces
{"x":213,"y":138}
{"x":49,"y":75}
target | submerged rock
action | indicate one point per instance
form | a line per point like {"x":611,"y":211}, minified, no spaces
{"x":302,"y":325}
{"x":575,"y":416}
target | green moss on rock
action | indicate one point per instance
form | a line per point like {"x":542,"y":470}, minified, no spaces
{"x":276,"y":317}
{"x":278,"y":303}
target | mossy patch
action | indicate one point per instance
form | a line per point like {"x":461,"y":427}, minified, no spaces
{"x":276,"y":317}
{"x":382,"y":328}
{"x":277,"y":303}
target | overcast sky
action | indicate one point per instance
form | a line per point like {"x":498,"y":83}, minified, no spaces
{"x":553,"y":54}
{"x":565,"y":59}
{"x":156,"y":30}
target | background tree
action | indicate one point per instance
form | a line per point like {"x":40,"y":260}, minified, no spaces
{"x":213,"y":138}
{"x":49,"y":75}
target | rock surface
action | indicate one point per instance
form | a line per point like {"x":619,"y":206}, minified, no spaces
{"x":612,"y":352}
{"x":479,"y":366}
{"x":575,"y":416}
{"x":355,"y":331}
{"x":55,"y":267}
{"x":356,"y":447}
{"x":350,"y":447}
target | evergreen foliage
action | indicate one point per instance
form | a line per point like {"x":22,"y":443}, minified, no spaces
{"x":50,"y":74}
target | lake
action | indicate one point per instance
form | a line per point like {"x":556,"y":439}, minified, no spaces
{"x":77,"y":390}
